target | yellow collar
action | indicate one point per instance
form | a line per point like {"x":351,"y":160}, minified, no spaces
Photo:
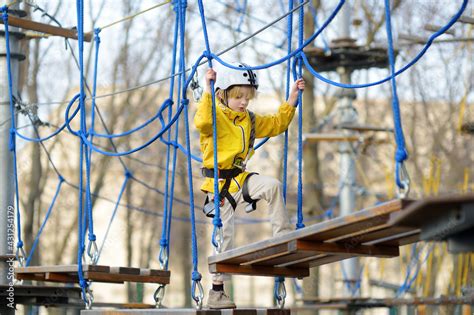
{"x":231,"y":114}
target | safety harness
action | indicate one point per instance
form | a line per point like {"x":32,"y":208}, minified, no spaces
{"x":228,"y":175}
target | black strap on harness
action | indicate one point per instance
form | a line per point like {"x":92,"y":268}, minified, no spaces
{"x":245,"y":192}
{"x":224,"y":193}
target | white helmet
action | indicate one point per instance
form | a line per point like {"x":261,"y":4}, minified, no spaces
{"x":227,"y":77}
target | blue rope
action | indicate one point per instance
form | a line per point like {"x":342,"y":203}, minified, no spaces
{"x":12,"y":144}
{"x":217,"y":215}
{"x":83,"y":128}
{"x":195,"y":276}
{"x":300,"y":223}
{"x":401,"y":153}
{"x":168,"y":201}
{"x":153,"y":139}
{"x":45,"y":220}
{"x":289,"y":36}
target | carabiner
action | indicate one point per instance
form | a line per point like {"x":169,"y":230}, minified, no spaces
{"x":88,"y":298}
{"x":199,"y":298}
{"x":163,"y":257}
{"x":280,"y":293}
{"x":20,"y":256}
{"x":403,"y":180}
{"x":93,"y":252}
{"x":159,"y":295}
{"x":218,"y":239}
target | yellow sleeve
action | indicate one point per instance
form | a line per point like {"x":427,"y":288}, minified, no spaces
{"x":203,"y":117}
{"x":272,"y":125}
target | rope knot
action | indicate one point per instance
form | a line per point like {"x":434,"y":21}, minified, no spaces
{"x":128,"y":174}
{"x":92,"y":237}
{"x":217,"y":221}
{"x":83,"y":283}
{"x":207,"y":54}
{"x":300,"y":225}
{"x":19,"y":244}
{"x":401,"y":155}
{"x":196,"y":276}
{"x":185,"y":101}
{"x":164,"y":242}
{"x":61,"y":178}
{"x":4,"y":10}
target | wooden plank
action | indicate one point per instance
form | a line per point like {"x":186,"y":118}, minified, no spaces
{"x":359,"y":222}
{"x":120,"y":278}
{"x":329,"y":259}
{"x":45,"y":28}
{"x":373,"y":234}
{"x":263,"y":255}
{"x":61,"y":277}
{"x":402,"y":239}
{"x":62,"y":268}
{"x":259,"y":270}
{"x":415,"y":214}
{"x":29,"y":276}
{"x":99,"y":273}
{"x":356,"y":250}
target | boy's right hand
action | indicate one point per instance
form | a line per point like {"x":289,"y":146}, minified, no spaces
{"x":210,"y":75}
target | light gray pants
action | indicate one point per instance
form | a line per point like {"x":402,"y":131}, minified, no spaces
{"x":260,"y":187}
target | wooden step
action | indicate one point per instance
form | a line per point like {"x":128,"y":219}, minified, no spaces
{"x":97,"y":273}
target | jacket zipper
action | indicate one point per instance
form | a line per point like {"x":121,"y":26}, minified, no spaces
{"x":243,"y":135}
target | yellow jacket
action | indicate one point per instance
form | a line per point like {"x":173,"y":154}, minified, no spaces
{"x":233,"y":134}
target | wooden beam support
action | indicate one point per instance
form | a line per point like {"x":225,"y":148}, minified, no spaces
{"x":356,"y":250}
{"x":259,"y":270}
{"x":45,"y":28}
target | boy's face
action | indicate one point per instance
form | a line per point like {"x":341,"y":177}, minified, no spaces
{"x":239,"y":101}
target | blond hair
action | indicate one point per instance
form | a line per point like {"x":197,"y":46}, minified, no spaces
{"x":235,"y":91}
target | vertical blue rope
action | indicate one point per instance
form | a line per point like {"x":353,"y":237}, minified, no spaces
{"x":46,"y":217}
{"x":12,"y":144}
{"x":401,"y":153}
{"x":287,"y":94}
{"x":82,"y":218}
{"x":168,"y":202}
{"x":300,"y":223}
{"x":196,"y":276}
{"x":217,"y":216}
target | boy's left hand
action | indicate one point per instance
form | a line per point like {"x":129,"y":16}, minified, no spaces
{"x":299,"y":85}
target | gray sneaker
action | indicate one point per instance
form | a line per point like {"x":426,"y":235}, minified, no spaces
{"x":218,"y":300}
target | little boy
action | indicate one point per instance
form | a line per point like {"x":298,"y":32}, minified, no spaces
{"x":237,"y":129}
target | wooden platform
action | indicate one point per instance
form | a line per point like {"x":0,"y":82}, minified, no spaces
{"x":96,"y":273}
{"x":364,"y":233}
